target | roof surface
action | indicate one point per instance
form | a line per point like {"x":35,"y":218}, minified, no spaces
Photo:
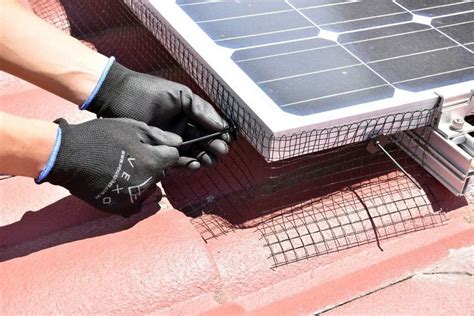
{"x":57,"y":254}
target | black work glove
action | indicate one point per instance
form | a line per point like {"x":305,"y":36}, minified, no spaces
{"x":164,"y":104}
{"x":112,"y":164}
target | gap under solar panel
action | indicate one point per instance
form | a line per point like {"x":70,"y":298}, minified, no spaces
{"x":314,"y":57}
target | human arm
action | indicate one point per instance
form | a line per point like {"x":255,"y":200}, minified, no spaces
{"x":34,"y":50}
{"x":112,"y":164}
{"x":26,"y":145}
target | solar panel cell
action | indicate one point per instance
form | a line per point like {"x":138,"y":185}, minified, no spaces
{"x":322,"y":85}
{"x":252,"y":25}
{"x":422,"y":4}
{"x":453,"y":19}
{"x":463,"y":33}
{"x":340,"y":100}
{"x":409,"y":71}
{"x":277,"y":49}
{"x":435,"y":11}
{"x":395,"y":46}
{"x":349,"y":15}
{"x":367,"y":22}
{"x":379,"y":32}
{"x":214,"y":10}
{"x":313,"y":3}
{"x":269,"y":38}
{"x":297,"y":63}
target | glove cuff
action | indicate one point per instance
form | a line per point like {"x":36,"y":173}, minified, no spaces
{"x":108,"y":89}
{"x":61,"y":166}
{"x":52,"y":158}
{"x":103,"y":76}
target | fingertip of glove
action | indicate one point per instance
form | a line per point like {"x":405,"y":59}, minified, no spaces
{"x":204,"y":112}
{"x":206,"y":159}
{"x":227,"y":137}
{"x":188,"y":162}
{"x":218,"y":147}
{"x":193,"y":165}
{"x":172,"y":154}
{"x":174,"y":139}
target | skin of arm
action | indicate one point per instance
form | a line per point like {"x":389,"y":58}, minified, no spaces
{"x":26,"y":145}
{"x":37,"y":52}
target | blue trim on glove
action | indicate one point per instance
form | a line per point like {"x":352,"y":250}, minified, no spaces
{"x":99,"y":83}
{"x":52,"y":158}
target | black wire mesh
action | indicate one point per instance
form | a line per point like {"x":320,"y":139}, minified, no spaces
{"x":310,"y":205}
{"x":311,"y":222}
{"x":344,"y":220}
{"x":325,"y":193}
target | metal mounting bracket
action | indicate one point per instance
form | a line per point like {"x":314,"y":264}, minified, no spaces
{"x":453,"y":111}
{"x":447,"y":150}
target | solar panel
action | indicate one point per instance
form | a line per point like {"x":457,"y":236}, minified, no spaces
{"x":301,"y":65}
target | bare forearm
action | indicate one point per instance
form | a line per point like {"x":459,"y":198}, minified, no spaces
{"x":26,"y":145}
{"x":39,"y":53}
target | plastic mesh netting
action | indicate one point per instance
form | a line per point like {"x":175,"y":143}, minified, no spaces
{"x":325,"y":193}
{"x":311,"y":205}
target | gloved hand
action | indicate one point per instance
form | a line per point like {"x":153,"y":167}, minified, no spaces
{"x":113,"y":164}
{"x":164,"y":104}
